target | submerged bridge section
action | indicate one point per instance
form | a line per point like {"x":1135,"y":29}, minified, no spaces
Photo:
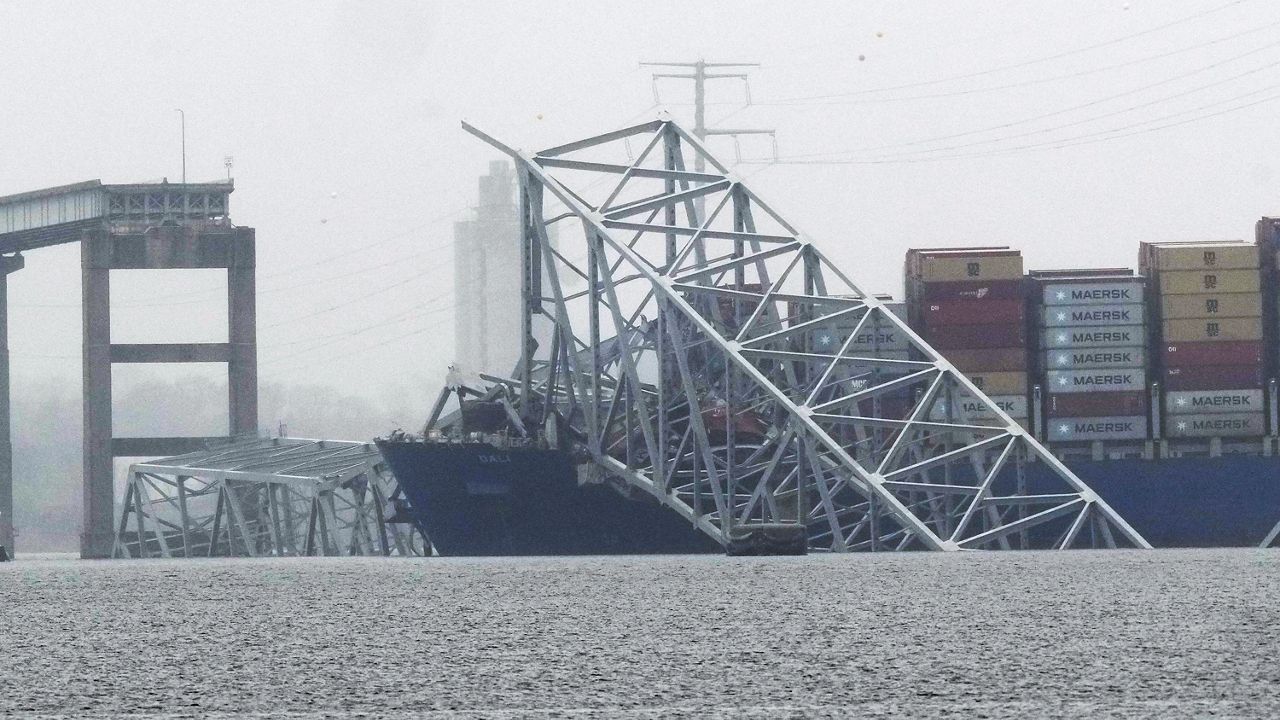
{"x":267,"y":497}
{"x":718,"y":361}
{"x":139,"y":226}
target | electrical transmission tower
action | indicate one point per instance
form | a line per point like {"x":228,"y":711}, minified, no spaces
{"x":697,"y":72}
{"x":720,"y":363}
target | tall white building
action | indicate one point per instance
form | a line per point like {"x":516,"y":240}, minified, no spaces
{"x":486,"y":271}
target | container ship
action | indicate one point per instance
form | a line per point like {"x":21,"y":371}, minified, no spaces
{"x":1155,"y":385}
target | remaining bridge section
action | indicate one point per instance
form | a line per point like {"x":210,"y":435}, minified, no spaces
{"x":138,"y":226}
{"x":58,"y":215}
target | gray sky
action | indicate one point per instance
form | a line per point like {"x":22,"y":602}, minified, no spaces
{"x":364,"y":100}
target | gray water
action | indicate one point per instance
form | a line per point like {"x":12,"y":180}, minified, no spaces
{"x":1082,"y":634}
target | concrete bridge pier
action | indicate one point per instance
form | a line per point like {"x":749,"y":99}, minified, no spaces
{"x":8,"y":264}
{"x":164,"y":247}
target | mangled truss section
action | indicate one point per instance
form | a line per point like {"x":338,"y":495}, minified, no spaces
{"x":699,"y":346}
{"x":265,"y":497}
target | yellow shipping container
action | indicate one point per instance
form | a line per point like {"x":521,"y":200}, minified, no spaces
{"x":1226,"y":305}
{"x":1224,"y":329}
{"x":1000,"y":383}
{"x":1205,"y":256}
{"x":948,"y":268}
{"x":1186,"y":282}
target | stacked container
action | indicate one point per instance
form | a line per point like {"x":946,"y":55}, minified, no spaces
{"x":1268,"y":241}
{"x":969,"y":304}
{"x":1092,"y":354}
{"x":1208,"y":305}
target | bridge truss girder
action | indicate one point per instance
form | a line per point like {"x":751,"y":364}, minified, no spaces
{"x":703,"y":349}
{"x":264,"y":498}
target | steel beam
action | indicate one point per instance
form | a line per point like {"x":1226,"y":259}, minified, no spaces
{"x":722,"y":322}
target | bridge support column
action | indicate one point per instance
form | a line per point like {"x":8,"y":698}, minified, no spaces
{"x":9,"y":264}
{"x":160,"y":248}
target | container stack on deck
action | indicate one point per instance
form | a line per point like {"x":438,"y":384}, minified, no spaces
{"x":969,"y":304}
{"x":1207,"y":306}
{"x":1092,"y":354}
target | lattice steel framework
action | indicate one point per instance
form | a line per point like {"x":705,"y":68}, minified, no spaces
{"x":269,"y":497}
{"x":725,"y":366}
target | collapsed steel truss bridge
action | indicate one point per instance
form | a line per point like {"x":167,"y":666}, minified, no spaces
{"x":265,"y":497}
{"x":695,"y":344}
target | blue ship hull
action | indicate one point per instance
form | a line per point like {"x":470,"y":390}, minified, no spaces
{"x":1227,"y":501}
{"x":477,"y":499}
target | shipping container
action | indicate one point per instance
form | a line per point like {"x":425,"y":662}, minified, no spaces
{"x":1080,"y":274}
{"x":1130,"y":427}
{"x":1110,"y":292}
{"x":1212,"y":377}
{"x":1216,"y":425}
{"x":1007,"y":359}
{"x":973,"y":312}
{"x":1176,"y":331}
{"x":1095,"y":337}
{"x":1227,"y":352}
{"x":1188,"y":282}
{"x":1215,"y":401}
{"x":1092,"y":315}
{"x":1100,"y":380}
{"x":853,"y":368}
{"x":1233,"y":305}
{"x":968,"y":290}
{"x":969,"y":408}
{"x":916,"y":255}
{"x":1000,"y":383}
{"x":1226,"y":255}
{"x":974,"y":337}
{"x":1095,"y":404}
{"x":965,"y":265}
{"x":1087,"y":358}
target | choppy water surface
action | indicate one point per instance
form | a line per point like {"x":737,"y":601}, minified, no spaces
{"x":1093,"y":634}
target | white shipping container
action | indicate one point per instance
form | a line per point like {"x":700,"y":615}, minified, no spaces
{"x":1190,"y":402}
{"x":1093,"y":315}
{"x":1124,"y":427}
{"x":1088,"y":293}
{"x":1100,"y":380}
{"x":1216,"y":425}
{"x":886,"y":339}
{"x":970,"y":408}
{"x":1085,"y":337}
{"x":1085,"y":358}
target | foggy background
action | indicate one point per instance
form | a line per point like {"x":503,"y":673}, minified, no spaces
{"x":1072,"y":131}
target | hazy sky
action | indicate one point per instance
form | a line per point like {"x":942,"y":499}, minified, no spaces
{"x":955,"y":118}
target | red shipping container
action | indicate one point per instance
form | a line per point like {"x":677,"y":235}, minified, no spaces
{"x":1212,"y":352}
{"x":1212,"y":377}
{"x":999,"y":359}
{"x":975,"y":337}
{"x":973,"y":312}
{"x":972,"y":290}
{"x":1096,"y":404}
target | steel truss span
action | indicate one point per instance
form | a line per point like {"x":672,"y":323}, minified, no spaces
{"x":694,"y":343}
{"x":269,"y":497}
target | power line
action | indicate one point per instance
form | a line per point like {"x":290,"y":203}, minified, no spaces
{"x":1053,"y":113}
{"x":1094,"y":118}
{"x":1019,"y":65}
{"x":1040,"y":81}
{"x":1086,"y":139}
